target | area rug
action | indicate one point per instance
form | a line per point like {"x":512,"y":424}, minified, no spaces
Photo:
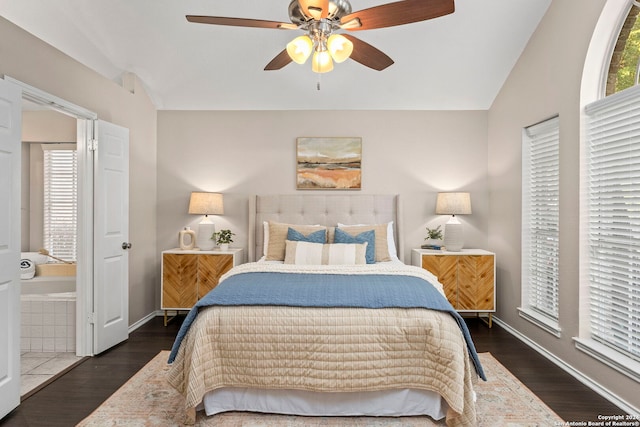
{"x":148,"y":400}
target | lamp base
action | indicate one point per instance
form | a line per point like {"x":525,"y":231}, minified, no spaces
{"x":204,"y":237}
{"x":453,"y":235}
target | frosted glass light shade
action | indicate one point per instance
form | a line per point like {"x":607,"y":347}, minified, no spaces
{"x":299,"y":49}
{"x":322,"y":62}
{"x":339,"y":47}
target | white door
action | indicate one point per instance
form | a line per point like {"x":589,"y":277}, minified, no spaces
{"x":10,"y":136}
{"x":111,"y":235}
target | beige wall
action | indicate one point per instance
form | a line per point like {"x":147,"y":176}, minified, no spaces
{"x":546,"y":81}
{"x":48,"y":126}
{"x":28,"y":59}
{"x":414,"y":154}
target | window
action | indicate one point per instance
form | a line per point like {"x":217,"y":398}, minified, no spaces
{"x":623,"y":68}
{"x":613,"y":227}
{"x":60,"y":200}
{"x":540,"y":224}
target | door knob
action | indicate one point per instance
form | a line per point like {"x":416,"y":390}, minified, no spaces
{"x":126,"y":245}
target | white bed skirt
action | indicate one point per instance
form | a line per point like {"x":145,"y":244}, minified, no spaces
{"x":388,"y":403}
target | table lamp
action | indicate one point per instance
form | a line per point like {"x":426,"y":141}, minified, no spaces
{"x":202,"y":203}
{"x":453,"y":204}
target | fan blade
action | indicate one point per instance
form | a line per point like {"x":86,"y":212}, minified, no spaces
{"x":240,"y":22}
{"x":397,"y":13}
{"x":279,"y":61}
{"x":316,"y":9}
{"x":368,"y":55}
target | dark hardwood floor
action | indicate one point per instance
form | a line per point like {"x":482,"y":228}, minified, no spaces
{"x":568,"y":397}
{"x":74,"y":395}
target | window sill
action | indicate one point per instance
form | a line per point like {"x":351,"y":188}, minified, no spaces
{"x":540,"y":321}
{"x":621,"y":363}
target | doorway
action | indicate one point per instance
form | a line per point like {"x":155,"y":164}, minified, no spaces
{"x":102,"y":270}
{"x":39,"y":100}
{"x":49,"y":183}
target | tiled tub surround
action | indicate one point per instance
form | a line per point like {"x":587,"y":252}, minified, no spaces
{"x":48,"y":322}
{"x":48,"y":330}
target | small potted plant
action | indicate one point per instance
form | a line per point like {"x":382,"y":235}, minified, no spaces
{"x":434,"y":238}
{"x":223,"y":238}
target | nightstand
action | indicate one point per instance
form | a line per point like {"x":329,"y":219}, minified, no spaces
{"x":188,"y":275}
{"x":468,"y":277}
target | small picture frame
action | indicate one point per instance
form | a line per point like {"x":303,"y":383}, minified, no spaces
{"x":329,"y":163}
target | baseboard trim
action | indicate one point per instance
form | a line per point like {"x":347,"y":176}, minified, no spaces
{"x":593,"y":385}
{"x":144,"y":320}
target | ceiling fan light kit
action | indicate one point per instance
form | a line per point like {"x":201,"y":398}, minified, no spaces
{"x":327,"y":50}
{"x":321,"y":18}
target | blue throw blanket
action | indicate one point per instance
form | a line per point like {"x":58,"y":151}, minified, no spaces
{"x":321,"y":290}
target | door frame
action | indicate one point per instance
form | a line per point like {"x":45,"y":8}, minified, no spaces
{"x":84,"y":274}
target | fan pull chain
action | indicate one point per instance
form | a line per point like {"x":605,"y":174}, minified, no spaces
{"x":318,"y":83}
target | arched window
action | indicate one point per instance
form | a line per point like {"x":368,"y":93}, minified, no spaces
{"x":624,"y":68}
{"x":610,"y":196}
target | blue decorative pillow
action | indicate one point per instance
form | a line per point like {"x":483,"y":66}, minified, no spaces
{"x":369,"y":236}
{"x":319,"y":236}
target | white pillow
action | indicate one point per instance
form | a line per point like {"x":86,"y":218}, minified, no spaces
{"x":307,"y":253}
{"x":393,"y":253}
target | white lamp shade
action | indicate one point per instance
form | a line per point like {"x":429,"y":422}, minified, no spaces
{"x":453,"y":204}
{"x":203,"y":203}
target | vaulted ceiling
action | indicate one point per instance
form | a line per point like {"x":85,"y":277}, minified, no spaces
{"x":455,"y":62}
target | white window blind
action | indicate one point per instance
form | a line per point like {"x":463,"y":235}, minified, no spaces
{"x":613,"y":241}
{"x":60,"y":200}
{"x":540,"y":219}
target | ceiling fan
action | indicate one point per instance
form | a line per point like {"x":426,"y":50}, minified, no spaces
{"x":320,"y":19}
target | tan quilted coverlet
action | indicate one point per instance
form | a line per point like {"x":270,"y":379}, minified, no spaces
{"x":326,"y":349}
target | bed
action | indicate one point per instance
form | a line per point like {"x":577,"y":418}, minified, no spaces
{"x":325,"y":319}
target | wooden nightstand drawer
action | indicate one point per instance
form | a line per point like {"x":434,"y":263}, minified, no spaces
{"x":188,"y":275}
{"x":468,"y":277}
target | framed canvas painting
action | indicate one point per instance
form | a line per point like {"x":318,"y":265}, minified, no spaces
{"x":325,"y":163}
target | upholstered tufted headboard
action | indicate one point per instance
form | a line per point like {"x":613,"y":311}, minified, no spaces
{"x":326,"y":210}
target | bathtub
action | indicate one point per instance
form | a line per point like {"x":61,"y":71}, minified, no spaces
{"x":48,"y":285}
{"x":48,"y":314}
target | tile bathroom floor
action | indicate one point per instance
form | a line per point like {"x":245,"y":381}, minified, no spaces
{"x":38,"y":368}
